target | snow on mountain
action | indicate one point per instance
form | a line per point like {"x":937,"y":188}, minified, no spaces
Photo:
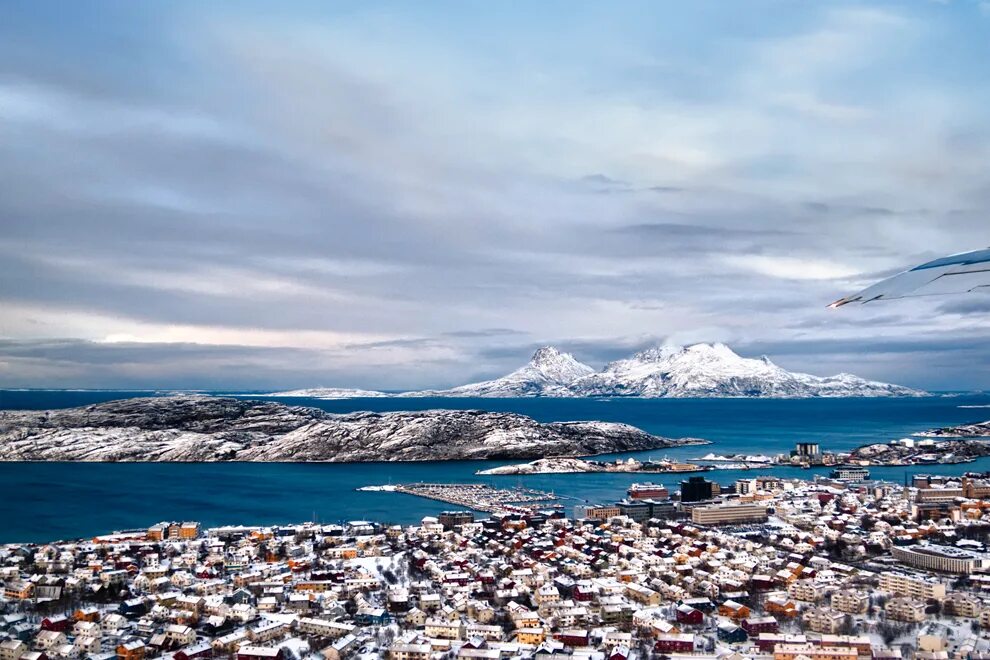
{"x":699,"y":370}
{"x":330,"y":393}
{"x":714,"y":370}
{"x":548,"y":373}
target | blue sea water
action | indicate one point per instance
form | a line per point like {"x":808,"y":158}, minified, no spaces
{"x":48,"y":501}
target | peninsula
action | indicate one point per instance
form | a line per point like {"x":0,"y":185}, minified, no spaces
{"x":202,"y":428}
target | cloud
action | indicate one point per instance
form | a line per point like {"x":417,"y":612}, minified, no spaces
{"x":384,"y":198}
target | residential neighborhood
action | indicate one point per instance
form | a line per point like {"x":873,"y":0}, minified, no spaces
{"x":831,"y":570}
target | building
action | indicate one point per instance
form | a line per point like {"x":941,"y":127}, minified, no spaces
{"x":698,"y":489}
{"x":939,"y":494}
{"x":963,"y":604}
{"x":324,"y":628}
{"x":850,"y":601}
{"x":905,"y":609}
{"x":648,"y":490}
{"x":823,"y":620}
{"x":729,"y":514}
{"x":452,"y":519}
{"x":131,"y":650}
{"x":809,"y":650}
{"x":687,"y":615}
{"x":12,"y":649}
{"x":943,"y":558}
{"x":808,"y":591}
{"x":410,"y":652}
{"x":443,"y":629}
{"x":674,"y":643}
{"x":260,"y":653}
{"x":597,"y":512}
{"x":903,"y":584}
{"x":756,"y":625}
{"x":808,"y":452}
{"x":18,"y":590}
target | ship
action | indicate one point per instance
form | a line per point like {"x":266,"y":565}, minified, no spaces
{"x":648,"y":490}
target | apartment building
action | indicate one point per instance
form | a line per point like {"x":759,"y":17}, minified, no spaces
{"x":823,"y":620}
{"x":809,"y":650}
{"x":728,"y":514}
{"x":905,"y":609}
{"x":915,"y":586}
{"x":851,"y":601}
{"x":944,"y":558}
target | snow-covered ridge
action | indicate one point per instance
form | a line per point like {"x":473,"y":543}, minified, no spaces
{"x":226,"y":429}
{"x":700,"y":370}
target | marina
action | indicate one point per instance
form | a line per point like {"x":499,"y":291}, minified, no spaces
{"x":479,"y":497}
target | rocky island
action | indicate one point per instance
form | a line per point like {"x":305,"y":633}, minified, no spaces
{"x":974,"y":430}
{"x":909,"y":451}
{"x":572,"y":465}
{"x":202,"y":428}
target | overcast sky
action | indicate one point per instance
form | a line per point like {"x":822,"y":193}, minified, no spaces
{"x":228,"y":195}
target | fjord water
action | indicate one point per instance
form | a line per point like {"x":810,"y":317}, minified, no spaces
{"x":48,"y":501}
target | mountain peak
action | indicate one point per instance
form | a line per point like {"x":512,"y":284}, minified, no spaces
{"x":547,"y":354}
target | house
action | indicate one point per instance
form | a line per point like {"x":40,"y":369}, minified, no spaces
{"x":573,"y":637}
{"x":730,"y":633}
{"x":532,"y":636}
{"x":733,"y":610}
{"x":674,"y":643}
{"x":180,"y":635}
{"x":444,"y":629}
{"x":112,"y":624}
{"x":403,"y":651}
{"x":18,"y":590}
{"x":371,"y":616}
{"x":12,"y":649}
{"x":87,"y":614}
{"x":756,"y":625}
{"x":260,"y":653}
{"x":58,"y":623}
{"x":687,"y":615}
{"x":781,"y":607}
{"x":201,"y":651}
{"x":47,"y":640}
{"x":131,"y":651}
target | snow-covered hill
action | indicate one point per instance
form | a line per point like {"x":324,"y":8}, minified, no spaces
{"x":205,"y":428}
{"x":714,"y":370}
{"x":548,"y":373}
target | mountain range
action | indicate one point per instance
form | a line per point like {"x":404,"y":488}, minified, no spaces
{"x":699,"y":370}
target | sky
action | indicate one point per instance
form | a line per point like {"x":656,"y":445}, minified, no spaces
{"x":265,"y":196}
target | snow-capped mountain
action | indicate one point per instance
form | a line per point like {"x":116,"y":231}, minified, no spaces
{"x":548,"y":373}
{"x":714,"y":370}
{"x":699,"y":370}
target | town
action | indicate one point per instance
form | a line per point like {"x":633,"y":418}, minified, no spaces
{"x":763,"y":568}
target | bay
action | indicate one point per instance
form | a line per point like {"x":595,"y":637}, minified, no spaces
{"x":49,"y":501}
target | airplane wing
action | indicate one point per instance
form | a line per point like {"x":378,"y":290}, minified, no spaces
{"x":956,"y":273}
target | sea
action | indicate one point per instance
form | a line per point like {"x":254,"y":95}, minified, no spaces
{"x":42,"y":502}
